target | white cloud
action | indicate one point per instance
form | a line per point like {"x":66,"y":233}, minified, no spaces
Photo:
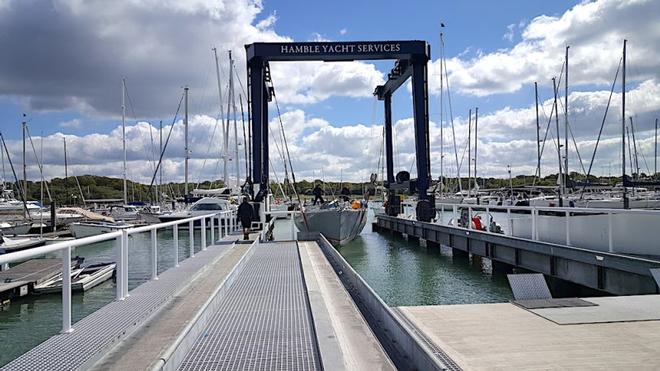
{"x":351,"y":150}
{"x":158,"y":46}
{"x":510,"y":32}
{"x":595,"y":31}
{"x":343,"y":31}
{"x":73,"y":123}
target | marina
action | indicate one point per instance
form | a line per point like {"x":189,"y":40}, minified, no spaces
{"x":233,"y":206}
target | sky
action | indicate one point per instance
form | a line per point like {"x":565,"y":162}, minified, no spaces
{"x":63,"y":62}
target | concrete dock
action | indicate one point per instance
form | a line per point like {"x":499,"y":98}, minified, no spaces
{"x":620,"y":333}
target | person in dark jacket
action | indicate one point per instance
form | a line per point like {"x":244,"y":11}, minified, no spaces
{"x":245,"y":214}
{"x":345,"y":193}
{"x":318,"y":192}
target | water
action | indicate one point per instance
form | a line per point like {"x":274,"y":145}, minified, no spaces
{"x":28,"y":321}
{"x":402,"y":273}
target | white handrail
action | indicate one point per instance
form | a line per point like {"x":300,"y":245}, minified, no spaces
{"x":583,"y":210}
{"x":121,"y":247}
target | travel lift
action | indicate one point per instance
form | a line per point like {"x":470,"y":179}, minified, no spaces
{"x":411,"y":58}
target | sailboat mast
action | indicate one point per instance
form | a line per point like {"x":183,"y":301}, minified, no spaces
{"x":561,"y":180}
{"x":623,"y":128}
{"x":123,"y":133}
{"x":655,"y":161}
{"x":476,"y":118}
{"x":233,"y":104}
{"x":538,"y":128}
{"x":469,"y":161}
{"x":159,"y":189}
{"x":222,"y":115}
{"x":632,"y":128}
{"x":225,"y":144}
{"x":245,"y":139}
{"x":66,"y":173}
{"x":442,"y":138}
{"x":185,"y":127}
{"x":566,"y":122}
{"x":4,"y":177}
{"x":25,"y":184}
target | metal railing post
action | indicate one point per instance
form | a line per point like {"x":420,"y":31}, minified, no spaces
{"x":175,"y":237}
{"x":487,"y":219}
{"x":509,"y":220}
{"x":154,"y":254}
{"x":442,"y":213}
{"x":610,"y":233}
{"x":212,"y":229}
{"x":534,"y":235}
{"x":119,"y":250}
{"x":125,"y":261}
{"x":454,"y":220}
{"x":191,"y":234}
{"x":203,"y":233}
{"x":469,"y":222}
{"x":293,"y":227}
{"x":568,"y":228}
{"x":66,"y":290}
{"x":221,"y":223}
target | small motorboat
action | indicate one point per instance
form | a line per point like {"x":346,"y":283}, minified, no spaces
{"x":15,"y":244}
{"x":15,"y":228}
{"x":82,"y":279}
{"x":204,"y":206}
{"x":87,"y":229}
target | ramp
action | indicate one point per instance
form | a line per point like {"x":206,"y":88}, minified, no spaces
{"x":264,"y":321}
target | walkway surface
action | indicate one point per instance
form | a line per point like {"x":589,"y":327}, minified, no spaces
{"x":507,"y":337}
{"x":264,"y":320}
{"x":98,"y":333}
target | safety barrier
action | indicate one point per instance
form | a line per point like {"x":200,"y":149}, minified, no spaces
{"x":226,"y":223}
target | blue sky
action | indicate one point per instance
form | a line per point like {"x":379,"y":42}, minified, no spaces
{"x":68,"y":59}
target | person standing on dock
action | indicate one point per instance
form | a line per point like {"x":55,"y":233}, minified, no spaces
{"x":245,"y":214}
{"x":318,"y":194}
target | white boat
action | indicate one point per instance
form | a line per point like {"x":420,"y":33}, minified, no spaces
{"x":150,"y":214}
{"x":62,"y":217}
{"x":16,"y":244}
{"x":86,"y":229}
{"x":226,"y":192}
{"x":339,"y":223}
{"x":124,"y":212}
{"x":14,"y":228}
{"x":82,"y":279}
{"x":205,"y":206}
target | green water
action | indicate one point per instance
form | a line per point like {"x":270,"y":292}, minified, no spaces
{"x":402,"y":273}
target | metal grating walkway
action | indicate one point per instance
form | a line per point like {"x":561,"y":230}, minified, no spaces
{"x":264,"y":322}
{"x":95,"y":334}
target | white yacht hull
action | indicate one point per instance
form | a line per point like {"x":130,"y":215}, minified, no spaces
{"x":81,"y":230}
{"x":337,"y":225}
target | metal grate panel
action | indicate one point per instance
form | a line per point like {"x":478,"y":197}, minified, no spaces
{"x":97,"y":333}
{"x":264,"y":322}
{"x":529,"y":286}
{"x":553,"y":303}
